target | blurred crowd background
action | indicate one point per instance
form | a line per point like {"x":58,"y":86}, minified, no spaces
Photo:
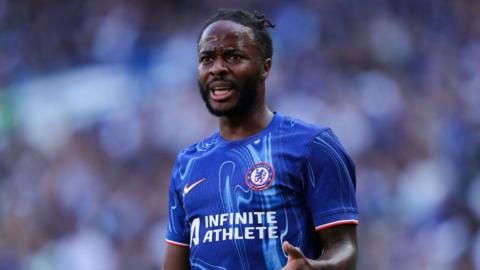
{"x":97,"y":97}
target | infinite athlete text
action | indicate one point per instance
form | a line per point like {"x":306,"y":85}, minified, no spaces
{"x":234,"y":226}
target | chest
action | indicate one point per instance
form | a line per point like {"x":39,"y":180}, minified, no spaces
{"x":242,"y":180}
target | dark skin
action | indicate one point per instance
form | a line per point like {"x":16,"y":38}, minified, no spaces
{"x":339,"y":250}
{"x":229,"y":54}
{"x":229,"y":58}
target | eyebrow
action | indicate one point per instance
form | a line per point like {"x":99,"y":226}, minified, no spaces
{"x":227,"y":51}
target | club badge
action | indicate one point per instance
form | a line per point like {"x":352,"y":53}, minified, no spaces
{"x":260,"y":176}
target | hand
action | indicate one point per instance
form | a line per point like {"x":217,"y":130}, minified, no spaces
{"x":296,"y":259}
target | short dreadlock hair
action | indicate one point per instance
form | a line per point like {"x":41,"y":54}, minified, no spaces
{"x":256,"y":21}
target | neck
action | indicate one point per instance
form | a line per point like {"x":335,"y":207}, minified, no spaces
{"x":248,"y":124}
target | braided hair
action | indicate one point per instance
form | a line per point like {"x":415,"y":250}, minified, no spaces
{"x":256,"y":21}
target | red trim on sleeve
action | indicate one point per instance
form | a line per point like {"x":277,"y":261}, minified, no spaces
{"x":331,"y":224}
{"x":177,"y":244}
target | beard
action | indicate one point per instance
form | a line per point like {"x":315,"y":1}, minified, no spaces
{"x":246,"y":101}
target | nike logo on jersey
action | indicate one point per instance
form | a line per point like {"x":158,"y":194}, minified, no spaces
{"x":187,"y":188}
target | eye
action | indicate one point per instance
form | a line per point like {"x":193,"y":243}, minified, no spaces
{"x":205,"y":59}
{"x":234,"y":57}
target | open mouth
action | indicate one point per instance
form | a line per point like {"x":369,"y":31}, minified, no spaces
{"x":221,"y":93}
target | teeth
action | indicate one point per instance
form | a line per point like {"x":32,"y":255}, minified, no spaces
{"x":220,"y":88}
{"x":220,"y":92}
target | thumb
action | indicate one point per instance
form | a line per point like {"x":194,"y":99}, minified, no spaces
{"x":292,"y":251}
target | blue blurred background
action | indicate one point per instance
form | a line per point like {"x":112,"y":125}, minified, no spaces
{"x":97,"y":97}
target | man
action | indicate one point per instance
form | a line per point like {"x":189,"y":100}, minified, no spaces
{"x":266,"y":191}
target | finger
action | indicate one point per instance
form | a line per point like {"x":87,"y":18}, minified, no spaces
{"x":292,"y":251}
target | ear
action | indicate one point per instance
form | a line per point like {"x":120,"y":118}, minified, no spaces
{"x":267,"y":64}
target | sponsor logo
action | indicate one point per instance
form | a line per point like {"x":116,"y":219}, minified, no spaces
{"x":187,"y":188}
{"x":260,"y":176}
{"x":234,"y":226}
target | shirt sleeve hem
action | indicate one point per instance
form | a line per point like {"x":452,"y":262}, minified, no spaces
{"x":338,"y":217}
{"x":336,"y":223}
{"x":178,"y":244}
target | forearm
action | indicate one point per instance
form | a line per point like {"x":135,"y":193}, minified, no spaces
{"x":340,"y":255}
{"x":176,"y":258}
{"x":339,"y":248}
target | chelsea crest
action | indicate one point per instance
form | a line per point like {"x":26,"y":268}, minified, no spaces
{"x":260,"y":176}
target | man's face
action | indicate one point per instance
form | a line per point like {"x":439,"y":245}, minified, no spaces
{"x":229,"y":68}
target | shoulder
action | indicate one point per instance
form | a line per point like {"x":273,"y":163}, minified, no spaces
{"x":325,"y":149}
{"x":188,"y":155}
{"x":314,"y":139}
{"x":301,"y":131}
{"x":197,"y":150}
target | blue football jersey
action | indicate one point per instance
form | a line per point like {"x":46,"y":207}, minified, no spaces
{"x":233,"y":203}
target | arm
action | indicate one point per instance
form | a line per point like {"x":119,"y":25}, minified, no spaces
{"x":339,"y":250}
{"x":330,"y":196}
{"x":340,"y":247}
{"x":178,"y":235}
{"x":176,"y":258}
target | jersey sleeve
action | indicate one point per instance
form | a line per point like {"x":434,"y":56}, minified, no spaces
{"x":330,"y":182}
{"x":178,"y":233}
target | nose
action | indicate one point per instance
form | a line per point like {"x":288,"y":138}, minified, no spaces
{"x":219,"y":67}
